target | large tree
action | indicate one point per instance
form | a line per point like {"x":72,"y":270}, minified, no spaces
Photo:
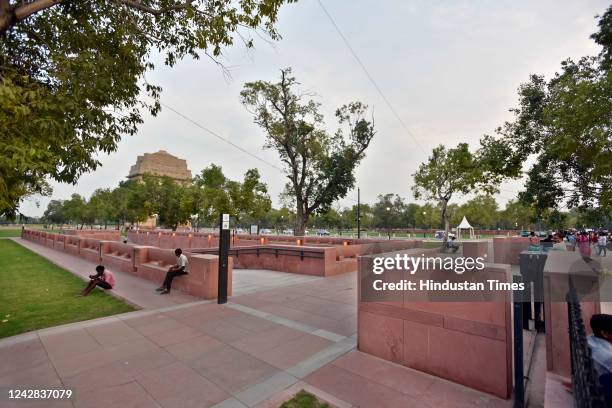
{"x":481,"y":211}
{"x":213,"y":194}
{"x":319,"y":165}
{"x":72,"y":75}
{"x":564,"y":127}
{"x":451,"y":172}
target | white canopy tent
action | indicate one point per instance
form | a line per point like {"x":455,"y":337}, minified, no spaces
{"x":464,"y":225}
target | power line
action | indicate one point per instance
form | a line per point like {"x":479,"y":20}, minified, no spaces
{"x":370,"y":78}
{"x":218,"y":136}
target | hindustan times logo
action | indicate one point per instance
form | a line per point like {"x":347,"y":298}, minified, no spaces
{"x":400,"y":262}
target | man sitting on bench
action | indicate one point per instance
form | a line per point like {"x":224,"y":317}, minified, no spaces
{"x":452,"y":245}
{"x":177,"y":270}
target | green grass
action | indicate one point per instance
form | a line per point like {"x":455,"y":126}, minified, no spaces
{"x":10,"y":232}
{"x":304,"y":399}
{"x":36,"y":294}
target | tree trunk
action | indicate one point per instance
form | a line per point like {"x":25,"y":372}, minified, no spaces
{"x":444,"y":204}
{"x":300,"y":219}
{"x":300,"y":225}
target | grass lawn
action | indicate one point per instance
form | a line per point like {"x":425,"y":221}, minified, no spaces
{"x":304,"y":399}
{"x":36,"y":293}
{"x":10,"y":232}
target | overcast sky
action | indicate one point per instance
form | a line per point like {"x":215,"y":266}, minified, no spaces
{"x":450,"y":69}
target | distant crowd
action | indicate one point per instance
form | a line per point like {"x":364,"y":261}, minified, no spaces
{"x":587,"y":242}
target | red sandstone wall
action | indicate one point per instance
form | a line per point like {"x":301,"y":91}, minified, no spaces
{"x":146,"y":262}
{"x":508,"y":250}
{"x":466,"y":342}
{"x":558,"y":266}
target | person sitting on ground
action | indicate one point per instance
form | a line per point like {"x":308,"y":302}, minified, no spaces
{"x":176,"y":270}
{"x":600,"y":344}
{"x":103,"y":278}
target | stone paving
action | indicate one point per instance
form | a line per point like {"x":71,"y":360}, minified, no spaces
{"x":262,"y":347}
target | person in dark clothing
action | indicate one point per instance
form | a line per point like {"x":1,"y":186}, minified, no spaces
{"x":180,"y":268}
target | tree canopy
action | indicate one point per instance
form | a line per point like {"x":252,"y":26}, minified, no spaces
{"x":564,"y":124}
{"x":449,"y":172}
{"x":72,"y":75}
{"x":319,"y":165}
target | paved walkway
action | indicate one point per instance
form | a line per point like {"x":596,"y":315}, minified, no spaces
{"x":262,"y":347}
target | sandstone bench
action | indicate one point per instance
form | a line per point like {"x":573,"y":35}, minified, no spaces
{"x":117,"y":255}
{"x":142,"y":261}
{"x":152,"y":263}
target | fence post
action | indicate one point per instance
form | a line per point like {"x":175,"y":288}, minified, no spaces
{"x":519,"y":375}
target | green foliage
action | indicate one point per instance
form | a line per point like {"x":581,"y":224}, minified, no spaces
{"x":480,"y":211}
{"x":449,"y":172}
{"x":304,"y":399}
{"x":171,"y":203}
{"x":517,"y":215}
{"x":213,"y":194}
{"x":72,"y":75}
{"x":319,"y":165}
{"x":54,"y":213}
{"x":565,"y":125}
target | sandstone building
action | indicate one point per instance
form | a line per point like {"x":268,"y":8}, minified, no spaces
{"x":160,"y":164}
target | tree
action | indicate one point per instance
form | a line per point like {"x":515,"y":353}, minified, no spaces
{"x":517,"y":215}
{"x":54,"y":214}
{"x":74,"y":210}
{"x":165,"y":199}
{"x":320,"y":166}
{"x":428,"y":217}
{"x":101,"y":206}
{"x":72,"y":74}
{"x":388,"y":211}
{"x":563,"y":126}
{"x":449,"y":172}
{"x":481,"y":211}
{"x":213,"y":194}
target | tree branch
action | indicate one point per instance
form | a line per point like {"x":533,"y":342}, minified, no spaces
{"x":136,"y":4}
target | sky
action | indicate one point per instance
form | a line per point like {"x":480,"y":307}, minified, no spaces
{"x":450,"y":70}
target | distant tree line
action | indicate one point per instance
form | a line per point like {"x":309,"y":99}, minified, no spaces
{"x":198,"y":202}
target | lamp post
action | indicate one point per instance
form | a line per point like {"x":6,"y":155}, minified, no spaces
{"x":388,"y":226}
{"x":424,"y":215}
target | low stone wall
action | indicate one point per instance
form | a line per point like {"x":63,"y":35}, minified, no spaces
{"x":508,"y":250}
{"x":146,"y":262}
{"x":109,"y":235}
{"x":475,"y":249}
{"x":585,"y":275}
{"x":153,"y":263}
{"x":468,"y":342}
{"x":118,"y":255}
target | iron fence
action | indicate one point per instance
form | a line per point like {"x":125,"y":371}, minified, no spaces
{"x":585,"y":382}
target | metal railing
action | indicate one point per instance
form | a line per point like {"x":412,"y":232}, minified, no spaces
{"x":585,"y":382}
{"x":260,"y":250}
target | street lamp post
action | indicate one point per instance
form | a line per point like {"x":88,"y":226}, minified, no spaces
{"x":388,"y":226}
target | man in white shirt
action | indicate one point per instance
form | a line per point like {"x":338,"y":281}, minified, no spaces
{"x":181,"y":268}
{"x":602,"y":242}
